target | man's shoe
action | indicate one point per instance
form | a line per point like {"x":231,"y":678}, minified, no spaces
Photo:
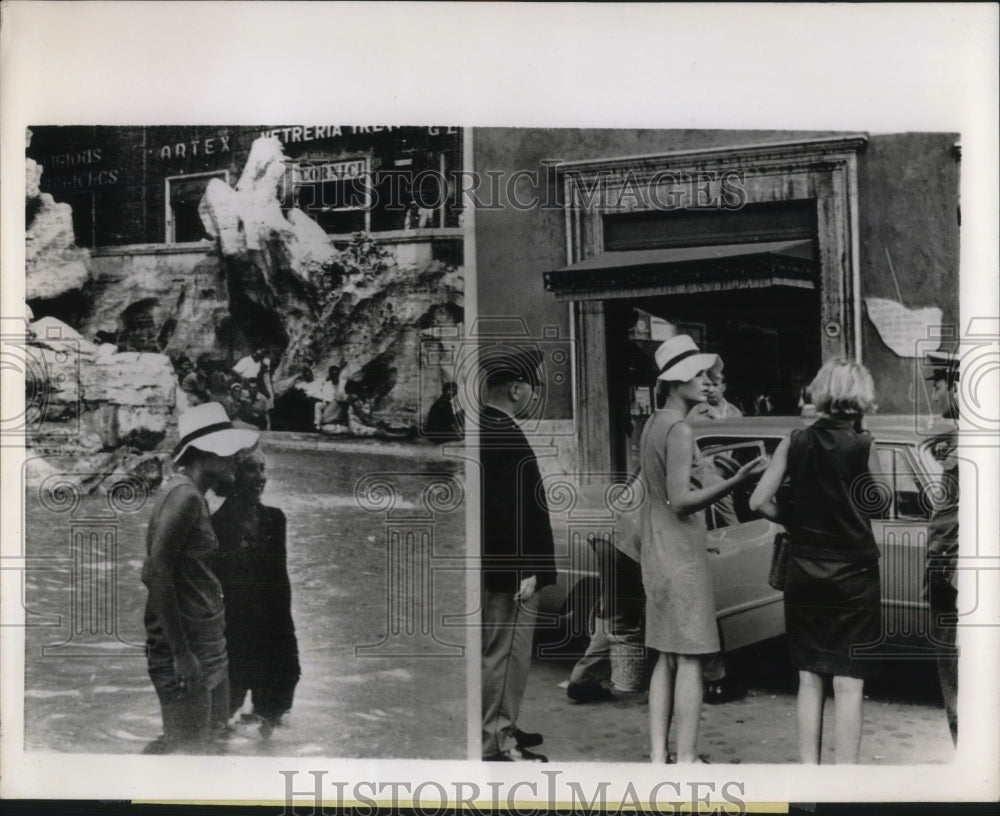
{"x":526,"y":739}
{"x":500,"y":757}
{"x":587,"y":694}
{"x":724,"y":691}
{"x":524,"y":755}
{"x":157,"y":747}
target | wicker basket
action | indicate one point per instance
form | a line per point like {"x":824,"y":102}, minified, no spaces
{"x":630,"y":667}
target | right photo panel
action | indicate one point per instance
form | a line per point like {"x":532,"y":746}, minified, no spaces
{"x":716,"y":427}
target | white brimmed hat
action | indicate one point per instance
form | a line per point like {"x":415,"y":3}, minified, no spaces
{"x":207,"y":427}
{"x":679,"y":360}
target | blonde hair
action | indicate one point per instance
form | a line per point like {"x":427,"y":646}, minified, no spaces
{"x":843,"y":387}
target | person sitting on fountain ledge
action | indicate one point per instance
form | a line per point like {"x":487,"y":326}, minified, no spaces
{"x":236,"y":405}
{"x":331,"y":411}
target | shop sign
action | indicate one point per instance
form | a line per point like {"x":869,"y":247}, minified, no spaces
{"x":82,"y":176}
{"x":331,"y":171}
{"x":195,"y":147}
{"x":83,"y":180}
{"x":312,"y":133}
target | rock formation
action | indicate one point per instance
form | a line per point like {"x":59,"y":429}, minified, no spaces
{"x":162,"y":303}
{"x":90,"y":410}
{"x":272,"y":278}
{"x":289,"y":287}
{"x":96,"y":398}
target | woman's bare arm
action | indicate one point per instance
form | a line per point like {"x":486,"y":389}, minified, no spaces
{"x":762,"y":498}
{"x":680,"y":452}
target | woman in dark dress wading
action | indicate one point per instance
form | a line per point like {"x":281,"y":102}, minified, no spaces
{"x":832,"y":589}
{"x":251,"y":563}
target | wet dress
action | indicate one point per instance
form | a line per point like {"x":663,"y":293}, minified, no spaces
{"x":260,"y":634}
{"x":832,"y":591}
{"x":680,"y":601}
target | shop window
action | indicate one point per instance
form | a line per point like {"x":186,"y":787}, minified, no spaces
{"x":183,"y":196}
{"x":336,"y":194}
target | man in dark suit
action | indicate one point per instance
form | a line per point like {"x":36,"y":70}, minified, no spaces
{"x":517,"y":548}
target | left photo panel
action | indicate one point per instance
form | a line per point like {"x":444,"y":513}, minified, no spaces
{"x":244,"y":483}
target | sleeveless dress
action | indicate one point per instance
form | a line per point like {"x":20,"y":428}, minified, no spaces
{"x":833,"y":593}
{"x":680,"y":600}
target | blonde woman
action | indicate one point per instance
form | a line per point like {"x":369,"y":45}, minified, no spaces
{"x":832,"y":590}
{"x":680,"y":602}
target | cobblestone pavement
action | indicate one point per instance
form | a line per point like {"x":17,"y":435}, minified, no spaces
{"x":904,"y":722}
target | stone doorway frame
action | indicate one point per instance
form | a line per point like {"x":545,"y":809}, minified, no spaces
{"x":823,"y":169}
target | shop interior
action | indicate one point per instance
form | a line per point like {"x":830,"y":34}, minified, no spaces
{"x":768,"y":338}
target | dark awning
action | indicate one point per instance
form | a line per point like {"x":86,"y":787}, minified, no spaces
{"x":685,"y":270}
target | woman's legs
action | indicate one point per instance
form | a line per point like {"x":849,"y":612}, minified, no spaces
{"x":810,"y":716}
{"x":661,"y":704}
{"x":688,"y":692}
{"x":676,"y":685}
{"x":848,"y":694}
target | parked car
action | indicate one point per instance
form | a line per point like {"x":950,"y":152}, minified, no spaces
{"x":740,"y":542}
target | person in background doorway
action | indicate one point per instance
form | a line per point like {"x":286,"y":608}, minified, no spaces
{"x":833,"y":597}
{"x":762,"y":405}
{"x":251,"y":564}
{"x":185,"y":616}
{"x":716,"y":406}
{"x":941,"y":578}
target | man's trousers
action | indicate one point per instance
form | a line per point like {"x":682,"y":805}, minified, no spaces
{"x":508,"y":635}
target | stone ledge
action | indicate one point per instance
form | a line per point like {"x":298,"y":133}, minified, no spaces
{"x":192,"y":248}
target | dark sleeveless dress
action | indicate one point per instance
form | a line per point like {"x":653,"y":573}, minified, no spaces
{"x":833,"y":593}
{"x":260,"y":634}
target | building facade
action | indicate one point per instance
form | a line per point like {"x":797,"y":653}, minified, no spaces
{"x":159,"y":283}
{"x":775,"y":250}
{"x":142,"y":185}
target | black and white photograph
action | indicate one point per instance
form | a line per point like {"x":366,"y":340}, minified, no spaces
{"x":243,"y":377}
{"x":769,"y":303}
{"x":499,"y":406}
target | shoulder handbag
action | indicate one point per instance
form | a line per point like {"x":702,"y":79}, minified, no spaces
{"x":779,"y":562}
{"x":782,"y":541}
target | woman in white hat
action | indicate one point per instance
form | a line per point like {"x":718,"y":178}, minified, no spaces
{"x":185,"y":621}
{"x":680,"y":605}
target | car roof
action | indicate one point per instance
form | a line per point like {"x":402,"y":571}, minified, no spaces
{"x":902,"y":428}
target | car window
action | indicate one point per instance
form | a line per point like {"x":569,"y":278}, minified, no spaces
{"x":719,"y":462}
{"x":903,"y":495}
